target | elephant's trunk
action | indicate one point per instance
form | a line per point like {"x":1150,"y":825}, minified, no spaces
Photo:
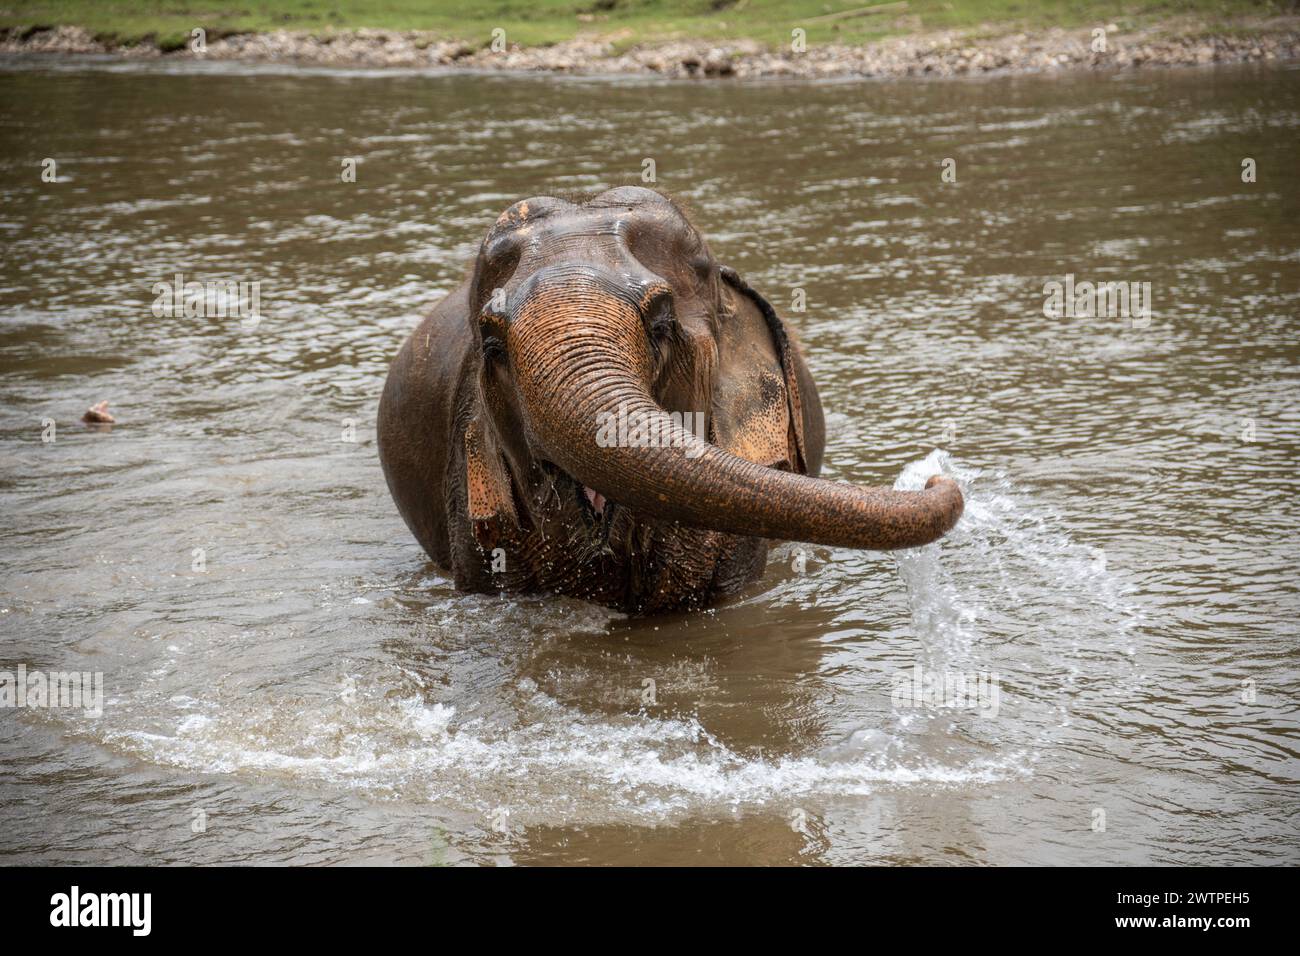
{"x":578,"y":347}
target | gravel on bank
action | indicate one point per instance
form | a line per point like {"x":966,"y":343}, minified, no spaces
{"x":951,"y":53}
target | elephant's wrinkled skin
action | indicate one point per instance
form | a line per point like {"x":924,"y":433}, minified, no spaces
{"x":496,"y":452}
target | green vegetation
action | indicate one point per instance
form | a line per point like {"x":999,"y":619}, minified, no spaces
{"x":530,"y":22}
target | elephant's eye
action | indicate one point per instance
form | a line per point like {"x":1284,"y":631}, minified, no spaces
{"x":492,"y":333}
{"x":494,"y":349}
{"x":659,"y":315}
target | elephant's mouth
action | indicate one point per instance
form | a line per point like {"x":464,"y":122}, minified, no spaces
{"x":597,"y":511}
{"x":595,"y":501}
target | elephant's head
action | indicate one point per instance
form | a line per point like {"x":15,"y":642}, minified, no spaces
{"x":615,"y":310}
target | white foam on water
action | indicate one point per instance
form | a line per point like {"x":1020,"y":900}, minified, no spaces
{"x":553,"y":765}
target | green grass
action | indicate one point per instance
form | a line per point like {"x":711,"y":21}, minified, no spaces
{"x":532,"y":22}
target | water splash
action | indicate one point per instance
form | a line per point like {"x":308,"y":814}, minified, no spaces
{"x":553,"y":764}
{"x":1009,"y":591}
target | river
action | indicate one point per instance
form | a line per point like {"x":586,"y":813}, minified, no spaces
{"x":286,"y":679}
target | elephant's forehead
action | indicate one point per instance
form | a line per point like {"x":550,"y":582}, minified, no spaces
{"x":580,"y":225}
{"x":545,"y":218}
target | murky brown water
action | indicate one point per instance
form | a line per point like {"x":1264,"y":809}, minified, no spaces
{"x":322,"y":695}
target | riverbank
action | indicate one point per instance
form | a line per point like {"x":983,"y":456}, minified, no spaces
{"x":935,"y":53}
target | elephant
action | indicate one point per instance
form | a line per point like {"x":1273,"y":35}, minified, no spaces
{"x":602,"y":410}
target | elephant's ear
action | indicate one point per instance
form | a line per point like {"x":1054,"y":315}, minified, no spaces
{"x":757,"y":412}
{"x":487,"y":486}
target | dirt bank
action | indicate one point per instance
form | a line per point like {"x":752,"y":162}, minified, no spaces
{"x":932,"y":54}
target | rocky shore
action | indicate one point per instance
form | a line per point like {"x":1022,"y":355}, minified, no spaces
{"x":924,"y":54}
